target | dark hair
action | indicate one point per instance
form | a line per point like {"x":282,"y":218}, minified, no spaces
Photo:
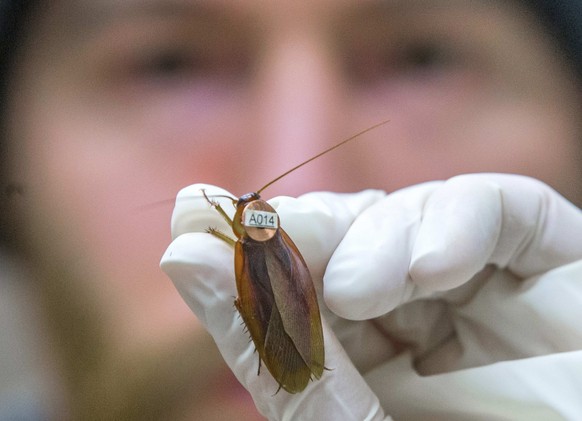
{"x":13,"y":14}
{"x":563,"y":20}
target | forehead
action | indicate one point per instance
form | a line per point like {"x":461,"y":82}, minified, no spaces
{"x":86,"y":12}
{"x":73,"y":21}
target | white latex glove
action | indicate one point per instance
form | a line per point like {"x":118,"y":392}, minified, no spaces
{"x":423,"y":318}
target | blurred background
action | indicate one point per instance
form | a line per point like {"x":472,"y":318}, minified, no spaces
{"x":109,"y":107}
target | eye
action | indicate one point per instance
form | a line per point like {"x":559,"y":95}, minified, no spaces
{"x":170,"y":56}
{"x":176,"y":65}
{"x":423,"y":56}
{"x":170,"y":64}
{"x":376,"y":62}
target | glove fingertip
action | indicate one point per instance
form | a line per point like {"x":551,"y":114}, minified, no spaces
{"x":200,"y":266}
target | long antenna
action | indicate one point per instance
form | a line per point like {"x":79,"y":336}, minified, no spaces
{"x":322,"y":153}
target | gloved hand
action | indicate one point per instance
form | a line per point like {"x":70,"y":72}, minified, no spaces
{"x":456,"y":299}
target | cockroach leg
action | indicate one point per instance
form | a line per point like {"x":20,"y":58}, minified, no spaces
{"x":221,"y":235}
{"x":218,"y":208}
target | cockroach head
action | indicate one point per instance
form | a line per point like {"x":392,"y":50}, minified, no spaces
{"x":246,"y":198}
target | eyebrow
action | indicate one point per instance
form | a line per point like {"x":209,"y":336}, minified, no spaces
{"x":91,"y":16}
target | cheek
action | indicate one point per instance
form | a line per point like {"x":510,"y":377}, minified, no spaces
{"x":91,"y":183}
{"x":466,"y":128}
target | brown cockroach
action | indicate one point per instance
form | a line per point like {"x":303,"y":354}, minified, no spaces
{"x":276,"y":297}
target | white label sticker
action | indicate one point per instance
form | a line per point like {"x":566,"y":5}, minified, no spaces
{"x":261,"y":219}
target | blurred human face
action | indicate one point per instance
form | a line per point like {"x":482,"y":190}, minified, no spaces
{"x":119,"y":104}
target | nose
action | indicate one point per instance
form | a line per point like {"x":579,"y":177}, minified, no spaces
{"x":297,"y":106}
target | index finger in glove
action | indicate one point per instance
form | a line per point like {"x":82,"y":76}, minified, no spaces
{"x":437,"y":236}
{"x":510,"y":221}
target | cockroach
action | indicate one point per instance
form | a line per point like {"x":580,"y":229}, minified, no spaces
{"x":276,"y":297}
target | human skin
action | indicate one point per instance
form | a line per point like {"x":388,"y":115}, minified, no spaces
{"x":117,"y":105}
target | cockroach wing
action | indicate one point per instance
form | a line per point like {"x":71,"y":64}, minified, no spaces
{"x":257,"y":307}
{"x":290,"y":343}
{"x":255,"y":298}
{"x":296,"y":300}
